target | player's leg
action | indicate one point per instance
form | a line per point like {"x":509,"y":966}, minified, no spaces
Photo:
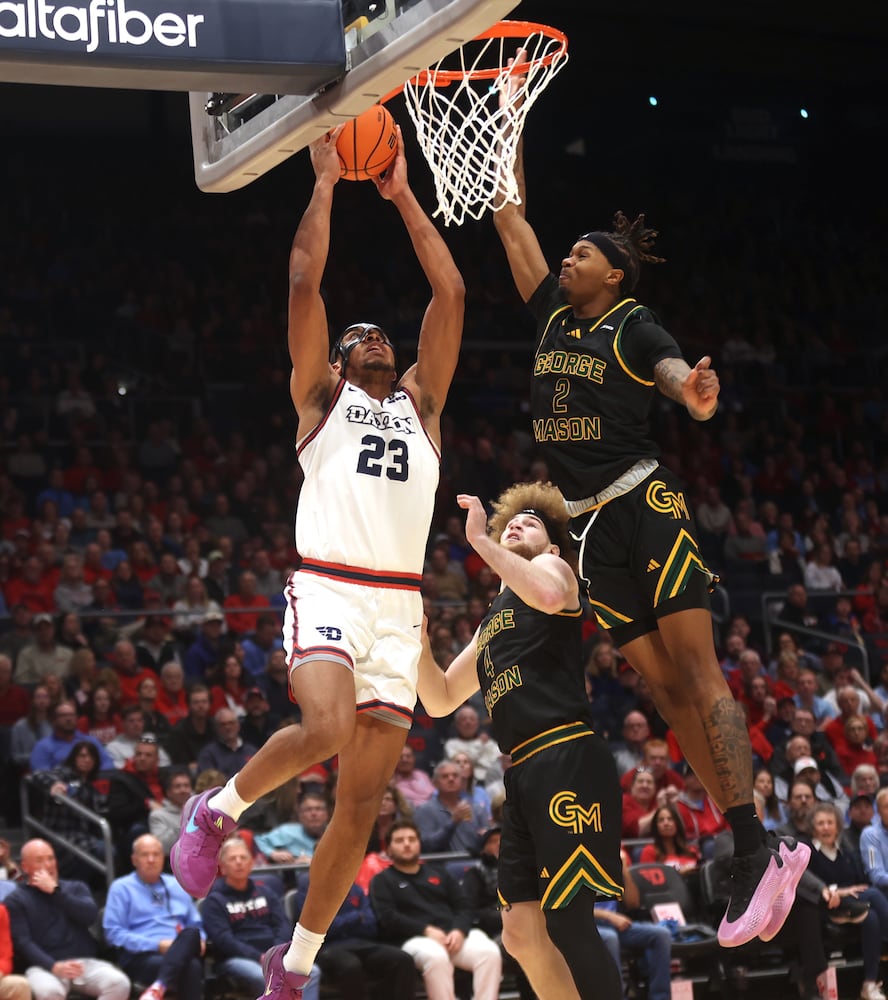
{"x":366,"y":765}
{"x":527,"y":940}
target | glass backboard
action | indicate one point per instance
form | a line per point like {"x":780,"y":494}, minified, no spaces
{"x":239,"y":137}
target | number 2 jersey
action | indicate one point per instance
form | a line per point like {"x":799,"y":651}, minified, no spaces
{"x":530,"y":668}
{"x":371,"y":472}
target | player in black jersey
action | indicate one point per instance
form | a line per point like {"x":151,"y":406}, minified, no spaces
{"x":561,"y":818}
{"x":599,"y":360}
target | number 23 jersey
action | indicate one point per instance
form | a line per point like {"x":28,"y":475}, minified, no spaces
{"x":371,"y":472}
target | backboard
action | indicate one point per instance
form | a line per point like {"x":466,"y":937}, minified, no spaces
{"x":242,"y":136}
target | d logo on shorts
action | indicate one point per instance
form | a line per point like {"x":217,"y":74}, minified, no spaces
{"x":564,"y":811}
{"x":665,"y":501}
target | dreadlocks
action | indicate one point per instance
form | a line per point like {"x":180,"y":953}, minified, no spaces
{"x":636,"y":241}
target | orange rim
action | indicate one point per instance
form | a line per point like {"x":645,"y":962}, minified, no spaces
{"x":502,"y":29}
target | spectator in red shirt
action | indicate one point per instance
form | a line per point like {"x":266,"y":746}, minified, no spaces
{"x":171,"y":700}
{"x":14,"y":699}
{"x":639,"y":803}
{"x":33,"y":588}
{"x":858,"y":744}
{"x":702,"y":818}
{"x":126,"y":666}
{"x":245,"y":596}
{"x":750,"y":668}
{"x":656,"y":760}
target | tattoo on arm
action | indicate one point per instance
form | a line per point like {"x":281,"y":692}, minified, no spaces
{"x":728,"y":738}
{"x":669,"y":374}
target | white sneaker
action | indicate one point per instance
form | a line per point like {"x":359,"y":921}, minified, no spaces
{"x":872,"y":991}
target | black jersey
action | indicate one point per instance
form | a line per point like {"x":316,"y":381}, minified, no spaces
{"x":592,"y":389}
{"x":530,"y":668}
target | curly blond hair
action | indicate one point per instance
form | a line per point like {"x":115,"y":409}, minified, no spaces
{"x":542,"y":497}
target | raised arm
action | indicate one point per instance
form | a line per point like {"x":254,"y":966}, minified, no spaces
{"x":545,"y":582}
{"x":441,"y":332}
{"x":523,"y":251}
{"x":443,"y":691}
{"x":312,"y":378}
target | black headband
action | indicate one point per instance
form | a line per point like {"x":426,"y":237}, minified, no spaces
{"x":543,"y":518}
{"x":616,"y":256}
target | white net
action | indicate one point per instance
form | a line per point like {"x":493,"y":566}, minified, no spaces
{"x":468,"y":128}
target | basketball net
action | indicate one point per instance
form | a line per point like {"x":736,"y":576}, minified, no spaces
{"x":469,"y":111}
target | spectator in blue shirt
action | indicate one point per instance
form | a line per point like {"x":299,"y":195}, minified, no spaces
{"x":52,"y":751}
{"x":294,"y":843}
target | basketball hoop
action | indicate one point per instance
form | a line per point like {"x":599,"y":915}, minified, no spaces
{"x":469,"y":111}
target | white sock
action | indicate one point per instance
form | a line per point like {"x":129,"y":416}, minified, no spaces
{"x":227,"y":800}
{"x":303,"y":949}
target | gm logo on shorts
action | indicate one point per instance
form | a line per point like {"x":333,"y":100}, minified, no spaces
{"x":665,"y":501}
{"x":564,"y":811}
{"x":330,"y":632}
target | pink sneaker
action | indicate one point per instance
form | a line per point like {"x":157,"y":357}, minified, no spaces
{"x":796,"y":856}
{"x":194,"y":856}
{"x":756,"y":880}
{"x":280,"y":984}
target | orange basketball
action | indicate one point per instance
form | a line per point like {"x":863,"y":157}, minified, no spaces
{"x":367,"y":145}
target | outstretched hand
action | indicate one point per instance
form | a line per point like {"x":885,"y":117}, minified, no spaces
{"x":700,"y":389}
{"x":511,"y":92}
{"x":476,"y":520}
{"x":324,"y":157}
{"x":394,"y":180}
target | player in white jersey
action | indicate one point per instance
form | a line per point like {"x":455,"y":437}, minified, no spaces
{"x":369,"y":445}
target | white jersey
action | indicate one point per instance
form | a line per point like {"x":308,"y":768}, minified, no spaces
{"x":371,"y":472}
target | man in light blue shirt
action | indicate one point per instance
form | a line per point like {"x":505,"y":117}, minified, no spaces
{"x":52,"y":750}
{"x":294,"y":843}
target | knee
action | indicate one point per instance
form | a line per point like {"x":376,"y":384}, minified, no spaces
{"x":119,"y":988}
{"x":327,"y":732}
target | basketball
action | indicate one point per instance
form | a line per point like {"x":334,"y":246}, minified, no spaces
{"x":367,"y":145}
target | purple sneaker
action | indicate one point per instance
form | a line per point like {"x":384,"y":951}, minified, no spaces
{"x":194,"y":856}
{"x":796,"y":856}
{"x":756,"y":880}
{"x":280,"y":984}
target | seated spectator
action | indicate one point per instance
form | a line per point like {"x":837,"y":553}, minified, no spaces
{"x":807,"y":741}
{"x":639,"y":804}
{"x":243,"y":916}
{"x":123,"y":747}
{"x":799,"y":809}
{"x":630,"y":753}
{"x":353,"y":960}
{"x":471,"y":790}
{"x":480,"y":888}
{"x":126,"y":666}
{"x":227,"y":752}
{"x":14,"y":699}
{"x":258,"y":647}
{"x":656,"y":760}
{"x":190,"y":735}
{"x":861,"y":810}
{"x":806,"y":769}
{"x":259,"y":723}
{"x":874,"y":844}
{"x":670,"y":846}
{"x":844,"y":676}
{"x":472,"y":740}
{"x":81,"y":679}
{"x":295,"y":843}
{"x":229,"y":682}
{"x":806,"y":697}
{"x":864,"y":780}
{"x":171,"y":700}
{"x":52,"y":750}
{"x":426,"y":913}
{"x":618,"y":931}
{"x":820,"y":573}
{"x":412,"y":782}
{"x":164,"y":822}
{"x":72,"y":592}
{"x":191,"y":610}
{"x":447,"y":821}
{"x":100,"y":719}
{"x":203,"y":654}
{"x":28,"y":731}
{"x":125,"y":585}
{"x":155,"y":721}
{"x":243,"y":622}
{"x":773,"y":809}
{"x":33,"y":588}
{"x":154,"y":926}
{"x":134,"y":791}
{"x":845,"y":876}
{"x":857,"y":747}
{"x":392,"y":807}
{"x":9,"y":870}
{"x":19,"y":634}
{"x":13,"y":987}
{"x":75,"y":779}
{"x":276,"y":686}
{"x":799,"y":748}
{"x":50,"y":920}
{"x":154,"y":644}
{"x":44,"y":655}
{"x":168,"y":580}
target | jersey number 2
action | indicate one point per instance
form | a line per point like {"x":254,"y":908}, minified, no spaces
{"x":370,"y":459}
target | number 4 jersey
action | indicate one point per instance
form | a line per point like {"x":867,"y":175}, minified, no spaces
{"x":371,"y":472}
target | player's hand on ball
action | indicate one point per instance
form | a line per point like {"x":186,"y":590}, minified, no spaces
{"x":324,"y":157}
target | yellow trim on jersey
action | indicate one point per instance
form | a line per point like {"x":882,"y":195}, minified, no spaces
{"x":680,"y":563}
{"x":549,"y":738}
{"x":616,"y":618}
{"x":622,"y":363}
{"x":581,"y":870}
{"x":549,"y":321}
{"x":595,"y":326}
{"x":570,"y":614}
